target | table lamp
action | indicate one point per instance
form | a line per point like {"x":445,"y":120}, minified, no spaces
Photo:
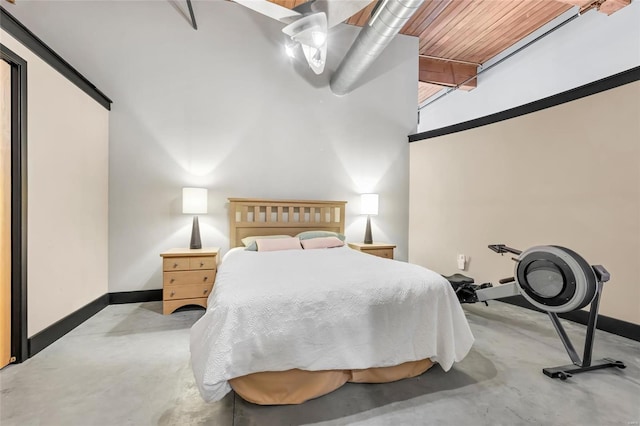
{"x":368,"y":206}
{"x":194,"y":201}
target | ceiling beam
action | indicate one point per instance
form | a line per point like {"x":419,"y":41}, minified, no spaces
{"x":610,"y":6}
{"x":604,"y":6}
{"x":447,"y":73}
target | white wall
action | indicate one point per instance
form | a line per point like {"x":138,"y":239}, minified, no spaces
{"x":589,"y":48}
{"x":567,"y":175}
{"x":223,"y":108}
{"x":67,"y":204}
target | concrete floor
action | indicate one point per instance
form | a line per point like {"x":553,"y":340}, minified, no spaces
{"x":129,"y":365}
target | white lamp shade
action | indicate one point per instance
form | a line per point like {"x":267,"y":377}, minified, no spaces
{"x":369,"y":203}
{"x":194,"y":200}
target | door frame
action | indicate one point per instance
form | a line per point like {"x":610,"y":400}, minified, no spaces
{"x":19,"y":341}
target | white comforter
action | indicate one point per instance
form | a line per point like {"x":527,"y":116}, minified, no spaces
{"x":322,"y":310}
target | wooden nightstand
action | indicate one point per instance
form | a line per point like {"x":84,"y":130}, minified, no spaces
{"x":376,"y":249}
{"x":187,"y":277}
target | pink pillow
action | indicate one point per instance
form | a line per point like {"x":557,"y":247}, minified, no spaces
{"x":273,"y":244}
{"x":323,"y":242}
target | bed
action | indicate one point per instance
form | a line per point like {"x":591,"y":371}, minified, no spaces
{"x":282,"y":327}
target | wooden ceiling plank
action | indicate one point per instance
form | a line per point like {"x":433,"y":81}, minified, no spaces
{"x":438,"y":24}
{"x":433,"y":16}
{"x":361,"y":17}
{"x":430,"y":37}
{"x":448,"y":31}
{"x":440,"y":58}
{"x":495,"y":34}
{"x":446,"y":73}
{"x":421,"y":14}
{"x":354,"y":19}
{"x":467,"y":29}
{"x":491,"y":14}
{"x":510,"y":29}
{"x":521,"y":26}
{"x":449,"y":44}
{"x":448,"y":19}
{"x":581,"y":3}
{"x":426,"y":14}
{"x":503,"y":21}
{"x":426,"y":90}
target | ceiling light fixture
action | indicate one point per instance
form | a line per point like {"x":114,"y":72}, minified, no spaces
{"x":308,"y":23}
{"x":310,"y":32}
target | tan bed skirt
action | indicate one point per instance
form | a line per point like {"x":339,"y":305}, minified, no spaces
{"x":297,"y":386}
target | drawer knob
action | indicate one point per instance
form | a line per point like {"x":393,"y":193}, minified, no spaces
{"x":172,"y":293}
{"x":206,"y":278}
{"x":201,"y":264}
{"x":205,"y":291}
{"x":175,"y":265}
{"x":172,"y":280}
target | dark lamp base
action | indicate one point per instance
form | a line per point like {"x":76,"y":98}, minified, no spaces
{"x":368,"y":239}
{"x":195,"y":235}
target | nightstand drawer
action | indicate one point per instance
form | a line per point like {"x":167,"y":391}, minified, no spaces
{"x":175,"y":264}
{"x":186,"y":291}
{"x":189,"y":277}
{"x":386,"y":253}
{"x":202,"y":262}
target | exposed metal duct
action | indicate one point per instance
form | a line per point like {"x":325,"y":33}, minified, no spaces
{"x":387,"y":20}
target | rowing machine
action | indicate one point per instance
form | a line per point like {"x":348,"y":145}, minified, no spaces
{"x":556,"y":280}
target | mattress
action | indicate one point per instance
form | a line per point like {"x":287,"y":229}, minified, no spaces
{"x":319,"y":310}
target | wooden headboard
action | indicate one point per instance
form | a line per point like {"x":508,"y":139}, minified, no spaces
{"x":252,"y":216}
